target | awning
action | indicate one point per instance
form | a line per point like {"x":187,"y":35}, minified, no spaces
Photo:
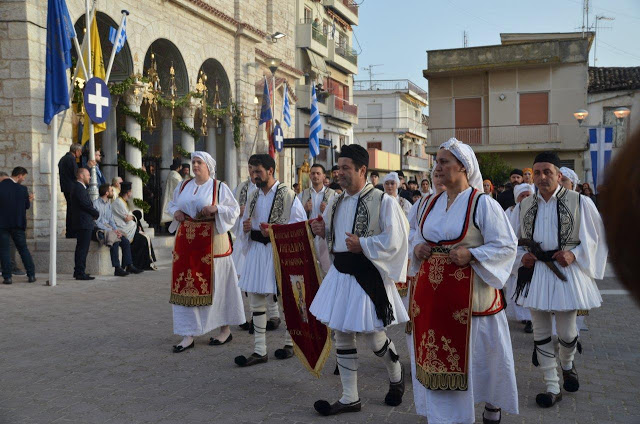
{"x":318,"y":64}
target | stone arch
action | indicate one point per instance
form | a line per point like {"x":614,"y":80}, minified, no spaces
{"x":122,"y":62}
{"x":168,"y":55}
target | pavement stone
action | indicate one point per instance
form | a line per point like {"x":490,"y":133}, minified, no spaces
{"x":100,"y":352}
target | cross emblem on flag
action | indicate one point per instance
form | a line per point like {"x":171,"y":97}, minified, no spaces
{"x":278,"y":138}
{"x":97,"y":100}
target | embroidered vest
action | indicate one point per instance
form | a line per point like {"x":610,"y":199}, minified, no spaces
{"x":306,"y":195}
{"x":568,"y":209}
{"x":366,"y":222}
{"x":487,"y":300}
{"x":221,"y":242}
{"x":242,"y":195}
{"x":280,"y":208}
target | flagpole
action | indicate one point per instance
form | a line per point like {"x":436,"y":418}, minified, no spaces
{"x":125,"y":13}
{"x":53,"y":224}
{"x":93,"y":185}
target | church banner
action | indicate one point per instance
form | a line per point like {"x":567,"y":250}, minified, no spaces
{"x":440,"y":310}
{"x":299,"y":277}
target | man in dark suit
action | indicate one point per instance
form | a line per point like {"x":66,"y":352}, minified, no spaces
{"x":68,"y":167}
{"x":83,"y":215}
{"x":13,"y":222}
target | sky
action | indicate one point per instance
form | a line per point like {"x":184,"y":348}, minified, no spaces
{"x":396,"y":34}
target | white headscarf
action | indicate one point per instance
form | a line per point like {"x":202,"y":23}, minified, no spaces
{"x":465,"y":154}
{"x":208,"y":159}
{"x":392,"y":176}
{"x":521,"y":188}
{"x":570,"y":173}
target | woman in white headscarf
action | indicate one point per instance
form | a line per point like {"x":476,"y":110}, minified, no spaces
{"x":462,"y":227}
{"x":204,"y":290}
{"x":391,"y":184}
{"x":569,"y":178}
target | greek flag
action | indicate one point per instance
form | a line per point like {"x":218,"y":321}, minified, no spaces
{"x":600,"y":145}
{"x":286,"y":113}
{"x":315,"y":125}
{"x":118,"y":39}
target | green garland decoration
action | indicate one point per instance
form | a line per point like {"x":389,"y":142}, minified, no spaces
{"x":182,"y":152}
{"x":119,"y":88}
{"x":236,"y":121}
{"x":139,"y":144}
{"x":142,"y":205}
{"x":186,"y":128}
{"x":133,"y":170}
{"x":141,"y":120}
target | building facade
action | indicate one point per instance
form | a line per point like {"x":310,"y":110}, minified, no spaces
{"x":324,"y":52}
{"x":229,"y":41}
{"x":392,"y":126}
{"x":515,"y":99}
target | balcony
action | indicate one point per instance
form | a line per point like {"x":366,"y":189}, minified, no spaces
{"x":412,"y":126}
{"x":383,"y":161}
{"x":348,"y":9}
{"x":392,"y":86}
{"x":304,"y":98}
{"x":341,"y":109}
{"x":493,"y":138}
{"x":311,"y":37}
{"x":343,"y":57}
{"x":414,"y":163}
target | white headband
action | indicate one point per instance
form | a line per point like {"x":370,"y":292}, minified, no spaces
{"x":570,"y":173}
{"x":208,"y":159}
{"x":392,"y":176}
{"x":521,"y":188}
{"x":465,"y":154}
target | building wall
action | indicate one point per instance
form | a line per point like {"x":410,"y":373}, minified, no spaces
{"x":198,"y":33}
{"x":630,"y":99}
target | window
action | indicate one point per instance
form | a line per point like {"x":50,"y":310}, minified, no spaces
{"x":325,"y":28}
{"x":374,"y":115}
{"x":308,"y":15}
{"x":374,"y":145}
{"x":534,"y":108}
{"x":468,"y":120}
{"x":569,"y":163}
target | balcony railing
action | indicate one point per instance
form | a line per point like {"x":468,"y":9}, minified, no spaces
{"x":348,"y":53}
{"x":351,"y":5}
{"x":389,"y":85}
{"x":316,"y":31}
{"x":497,"y":135}
{"x":346,"y":107}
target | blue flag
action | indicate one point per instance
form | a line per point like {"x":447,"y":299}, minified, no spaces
{"x":600,"y":146}
{"x":59,"y":34}
{"x":286,"y":113}
{"x":265,"y":112}
{"x":315,"y":125}
{"x":116,"y":39}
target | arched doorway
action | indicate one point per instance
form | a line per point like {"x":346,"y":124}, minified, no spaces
{"x":218,"y":89}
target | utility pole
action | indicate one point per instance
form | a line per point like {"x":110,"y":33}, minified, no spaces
{"x":465,"y":39}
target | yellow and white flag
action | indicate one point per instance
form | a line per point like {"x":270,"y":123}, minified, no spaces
{"x":97,"y":66}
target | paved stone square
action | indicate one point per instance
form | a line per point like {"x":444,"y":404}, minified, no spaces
{"x":100,"y":352}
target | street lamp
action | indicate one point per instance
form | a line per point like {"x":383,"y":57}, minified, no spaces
{"x":580,"y":115}
{"x":621,"y":113}
{"x":273,"y":63}
{"x":275,"y":36}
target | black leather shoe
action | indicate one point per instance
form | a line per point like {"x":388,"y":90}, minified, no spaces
{"x":7,"y":281}
{"x":273,"y":323}
{"x":396,"y":390}
{"x":246,"y":326}
{"x":284,"y":353}
{"x":119,"y":272}
{"x":571,"y":383}
{"x":254,"y":359}
{"x":32,"y":279}
{"x":325,"y":408}
{"x":547,"y":400}
{"x":85,"y":277}
{"x":216,"y":342}
{"x":131,"y":269}
{"x":487,"y":420}
{"x":528,"y":327}
{"x":178,"y":348}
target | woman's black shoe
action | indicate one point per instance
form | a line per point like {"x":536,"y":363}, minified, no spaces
{"x":216,"y":342}
{"x":178,"y":348}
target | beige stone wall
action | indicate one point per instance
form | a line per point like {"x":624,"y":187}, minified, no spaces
{"x":199,"y":35}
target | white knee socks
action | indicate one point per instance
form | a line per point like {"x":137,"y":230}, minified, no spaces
{"x":272,"y":308}
{"x":384,"y":348}
{"x":260,"y":333}
{"x":347,"y":357}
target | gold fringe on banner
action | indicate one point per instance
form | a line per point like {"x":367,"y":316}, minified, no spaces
{"x":185,"y":300}
{"x":442,"y":381}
